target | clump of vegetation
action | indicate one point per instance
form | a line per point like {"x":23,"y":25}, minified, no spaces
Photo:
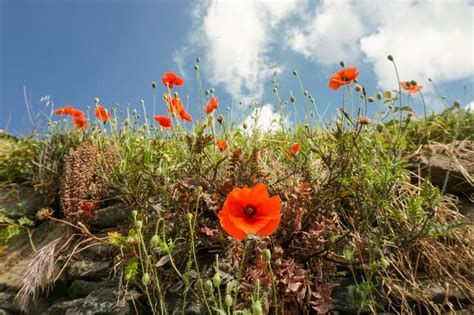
{"x":231,"y":219}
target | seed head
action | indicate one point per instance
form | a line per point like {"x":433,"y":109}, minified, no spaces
{"x":389,"y":57}
{"x":153,"y":85}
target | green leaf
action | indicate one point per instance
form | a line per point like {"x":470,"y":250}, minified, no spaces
{"x":131,"y":269}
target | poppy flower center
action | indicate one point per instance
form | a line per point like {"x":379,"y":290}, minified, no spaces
{"x":250,"y":210}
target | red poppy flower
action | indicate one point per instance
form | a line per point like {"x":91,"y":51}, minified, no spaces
{"x":80,"y":122}
{"x":247,"y":211}
{"x":164,"y":122}
{"x":212,"y":105}
{"x":175,"y":107}
{"x":222,"y":145}
{"x":101,"y":113}
{"x":170,"y":79}
{"x":89,"y":207}
{"x":75,"y":112}
{"x":343,"y":77}
{"x":184,"y":115}
{"x":295,"y":148}
{"x":68,"y":110}
{"x":411,"y":88}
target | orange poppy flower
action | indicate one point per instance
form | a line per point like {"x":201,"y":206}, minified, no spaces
{"x":411,"y":88}
{"x":68,"y":110}
{"x":101,"y":113}
{"x":212,"y":105}
{"x":295,"y":148}
{"x":80,"y":122}
{"x":343,"y":77}
{"x":250,"y":211}
{"x":170,"y":79}
{"x":184,"y":115}
{"x":164,"y":122}
{"x":75,"y":112}
{"x":222,"y":145}
{"x":175,"y":107}
{"x":89,"y":207}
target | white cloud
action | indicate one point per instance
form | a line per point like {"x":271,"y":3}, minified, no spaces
{"x":329,"y":34}
{"x":236,"y":37}
{"x":265,"y":119}
{"x":428,"y":38}
{"x":470,"y":107}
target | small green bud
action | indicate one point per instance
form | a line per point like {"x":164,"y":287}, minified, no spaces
{"x":341,"y":63}
{"x":153,"y":85}
{"x":139,"y":224}
{"x":389,"y":57}
{"x":292,"y":99}
{"x":357,"y":88}
{"x":275,"y":90}
{"x":413,"y":82}
{"x":142,"y":101}
{"x":456,"y":104}
{"x":155,"y":241}
{"x":295,"y":73}
{"x":266,"y":254}
{"x":96,"y":100}
{"x":380,"y":127}
{"x":370,"y":99}
{"x":379,"y":95}
{"x":244,"y":125}
{"x":228,"y":300}
{"x":213,"y":90}
{"x":208,"y":285}
{"x":145,"y":278}
{"x":257,"y":308}
{"x":189,"y":216}
{"x":196,"y":67}
{"x":198,"y":60}
{"x":305,"y":93}
{"x":208,"y":92}
{"x":134,"y":214}
{"x":216,"y":279}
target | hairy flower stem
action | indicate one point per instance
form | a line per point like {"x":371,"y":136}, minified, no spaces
{"x":275,"y":300}
{"x":241,"y":268}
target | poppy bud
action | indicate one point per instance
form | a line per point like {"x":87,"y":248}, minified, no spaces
{"x":305,"y":93}
{"x":153,"y":85}
{"x":96,"y":100}
{"x":341,"y":63}
{"x":134,"y":214}
{"x":370,"y":99}
{"x":266,"y":254}
{"x":219,"y":119}
{"x":379,"y":95}
{"x":216,"y":279}
{"x":208,"y":285}
{"x":275,"y":90}
{"x":198,"y":60}
{"x":244,"y":125}
{"x":413,"y":82}
{"x":380,"y":127}
{"x":295,"y":73}
{"x":207,"y":92}
{"x":456,"y":104}
{"x":142,"y":101}
{"x":196,"y":67}
{"x":213,"y":90}
{"x":189,"y":216}
{"x":292,"y":99}
{"x":139,"y":224}
{"x":357,"y":88}
{"x":145,"y":278}
{"x":88,"y":107}
{"x":257,"y":308}
{"x":176,"y":94}
{"x":228,"y":300}
{"x":389,"y":57}
{"x":155,"y":241}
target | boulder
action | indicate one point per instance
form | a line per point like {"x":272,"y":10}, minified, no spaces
{"x":90,"y":270}
{"x":111,"y":216}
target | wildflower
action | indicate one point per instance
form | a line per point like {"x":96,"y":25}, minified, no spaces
{"x":101,"y":113}
{"x":80,"y":122}
{"x":170,"y":80}
{"x":295,"y":148}
{"x":214,"y":102}
{"x":89,"y":207}
{"x":343,"y":77}
{"x":69,"y":110}
{"x":250,"y":211}
{"x":222,"y":145}
{"x":185,"y":115}
{"x":363,"y":120}
{"x":412,"y":88}
{"x":164,"y":122}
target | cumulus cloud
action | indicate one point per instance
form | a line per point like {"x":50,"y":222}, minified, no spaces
{"x":429,"y":39}
{"x":266,"y":119}
{"x":235,"y":37}
{"x":470,"y":107}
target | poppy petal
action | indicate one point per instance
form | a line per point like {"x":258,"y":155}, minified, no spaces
{"x":269,"y":228}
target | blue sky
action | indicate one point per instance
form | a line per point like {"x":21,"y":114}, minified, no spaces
{"x":74,"y":51}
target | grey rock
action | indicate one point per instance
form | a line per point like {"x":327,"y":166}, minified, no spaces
{"x":82,"y":288}
{"x":20,"y":201}
{"x":111,"y":216}
{"x":7,"y":304}
{"x":91,"y":270}
{"x":100,"y":251}
{"x":104,"y":301}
